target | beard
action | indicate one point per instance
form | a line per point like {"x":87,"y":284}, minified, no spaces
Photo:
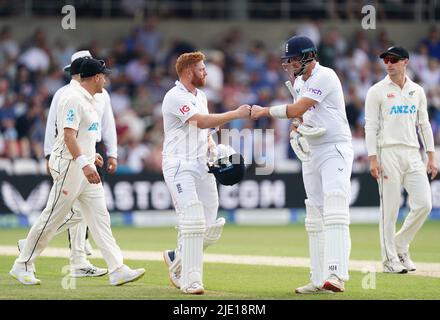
{"x":198,"y":82}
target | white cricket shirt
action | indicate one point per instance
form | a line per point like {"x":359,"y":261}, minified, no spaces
{"x":184,"y":140}
{"x":77,"y":111}
{"x":105,"y":113}
{"x":392,"y":114}
{"x":324,"y":87}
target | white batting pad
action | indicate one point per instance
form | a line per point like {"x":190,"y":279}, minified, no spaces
{"x":192,"y":230}
{"x":315,"y":230}
{"x":337,"y":235}
{"x":213,"y":232}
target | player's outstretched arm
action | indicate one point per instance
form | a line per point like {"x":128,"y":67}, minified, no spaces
{"x":283,"y":111}
{"x":74,"y":149}
{"x":204,"y":121}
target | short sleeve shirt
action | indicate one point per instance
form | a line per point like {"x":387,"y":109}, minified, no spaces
{"x":182,"y":139}
{"x":77,"y":111}
{"x":324,"y":87}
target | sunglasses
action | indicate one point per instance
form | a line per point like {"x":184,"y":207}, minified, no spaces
{"x":393,"y":60}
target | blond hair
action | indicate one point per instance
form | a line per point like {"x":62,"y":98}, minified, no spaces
{"x":187,"y":60}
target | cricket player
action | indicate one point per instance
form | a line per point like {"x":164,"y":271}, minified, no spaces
{"x":79,"y":246}
{"x":326,"y":173}
{"x":394,"y":109}
{"x":75,"y":179}
{"x":193,"y":189}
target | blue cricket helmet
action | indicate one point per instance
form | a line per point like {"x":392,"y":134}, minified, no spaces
{"x":298,"y":46}
{"x":229,"y":168}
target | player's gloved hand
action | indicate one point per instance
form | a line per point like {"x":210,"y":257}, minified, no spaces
{"x":300,"y":146}
{"x":91,"y":174}
{"x":112,"y":165}
{"x":99,"y":161}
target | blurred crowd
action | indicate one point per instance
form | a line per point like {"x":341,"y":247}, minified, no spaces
{"x":239,"y":72}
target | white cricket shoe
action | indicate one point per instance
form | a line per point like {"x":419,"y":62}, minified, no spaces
{"x":194,"y":288}
{"x":25,"y":277}
{"x":20,"y":245}
{"x":87,"y":271}
{"x":169,"y":257}
{"x":310,"y":288}
{"x":406,"y":261}
{"x":124,"y":275}
{"x":393,"y":266}
{"x":88,"y":248}
{"x":333,"y":283}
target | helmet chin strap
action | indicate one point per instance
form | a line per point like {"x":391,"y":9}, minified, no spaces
{"x":304,"y":64}
{"x":306,"y":59}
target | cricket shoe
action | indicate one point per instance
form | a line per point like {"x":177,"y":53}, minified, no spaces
{"x":20,"y":245}
{"x":124,"y":275}
{"x":87,"y":271}
{"x":25,"y":277}
{"x":393,"y":266}
{"x":174,"y":267}
{"x":88,"y":248}
{"x":406,"y":261}
{"x":194,"y":288}
{"x":310,"y":288}
{"x":334,"y":283}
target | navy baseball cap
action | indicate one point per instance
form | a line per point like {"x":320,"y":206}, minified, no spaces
{"x":398,"y":51}
{"x":75,"y":66}
{"x":77,"y":55}
{"x":297,"y":46}
{"x":91,"y":67}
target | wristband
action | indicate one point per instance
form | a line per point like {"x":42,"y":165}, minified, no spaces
{"x":279,"y":112}
{"x":82,"y":161}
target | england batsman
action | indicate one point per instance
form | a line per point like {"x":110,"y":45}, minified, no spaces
{"x":75,"y":178}
{"x":395,"y":111}
{"x":327,"y":168}
{"x":193,"y":189}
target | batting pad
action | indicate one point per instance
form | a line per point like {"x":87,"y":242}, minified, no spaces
{"x":192,"y":231}
{"x":315,"y":230}
{"x":213,"y":232}
{"x":337,"y":235}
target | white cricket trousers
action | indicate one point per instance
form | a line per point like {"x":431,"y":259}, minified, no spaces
{"x":77,"y":230}
{"x":190,"y":181}
{"x":327,"y":184}
{"x":71,"y":185}
{"x":402,"y":166}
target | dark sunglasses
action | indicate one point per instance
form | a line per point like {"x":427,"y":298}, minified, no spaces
{"x":393,"y":60}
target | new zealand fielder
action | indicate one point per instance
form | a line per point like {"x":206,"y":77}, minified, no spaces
{"x":394,"y":108}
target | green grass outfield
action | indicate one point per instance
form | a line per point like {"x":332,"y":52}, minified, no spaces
{"x":229,"y":281}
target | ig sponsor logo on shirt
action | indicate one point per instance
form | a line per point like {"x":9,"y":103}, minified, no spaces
{"x":184,"y":109}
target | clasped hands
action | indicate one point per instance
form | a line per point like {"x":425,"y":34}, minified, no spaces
{"x":255,"y":112}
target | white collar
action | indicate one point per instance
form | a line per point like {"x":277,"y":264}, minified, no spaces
{"x":388,"y":80}
{"x":182,"y":87}
{"x":85,"y":93}
{"x":314,"y":70}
